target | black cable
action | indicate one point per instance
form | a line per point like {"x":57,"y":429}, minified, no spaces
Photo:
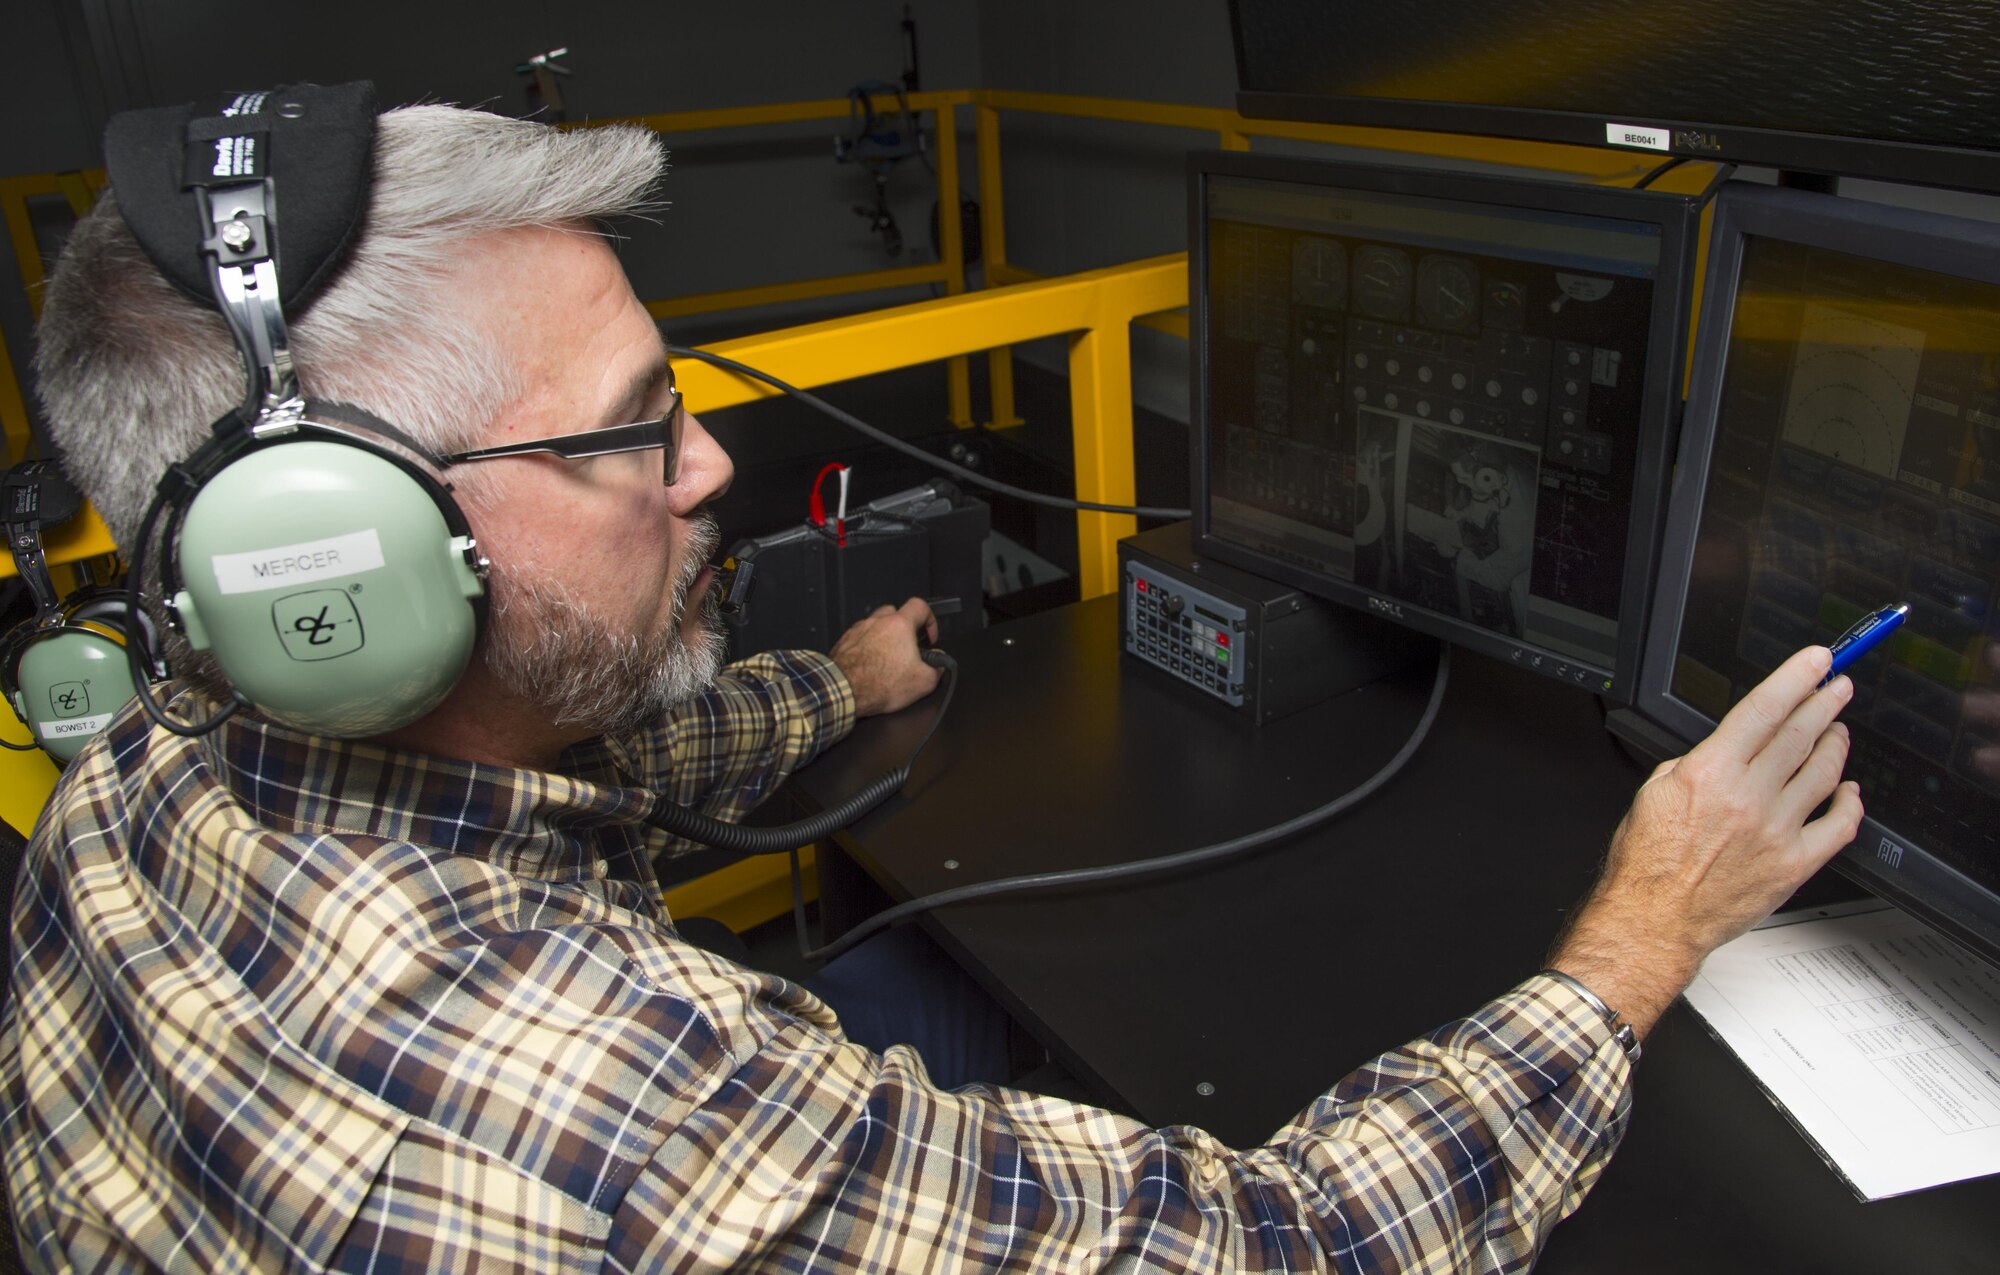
{"x":1134,"y":868}
{"x":1722,"y":175}
{"x":891,"y":441}
{"x":134,"y":660}
{"x":10,"y":650}
{"x":1659,"y":171}
{"x":695,"y":826}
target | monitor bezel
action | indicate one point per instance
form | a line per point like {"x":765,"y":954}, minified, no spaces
{"x":1889,"y":863}
{"x":1826,"y":154}
{"x":1676,"y":216}
{"x":1791,"y":150}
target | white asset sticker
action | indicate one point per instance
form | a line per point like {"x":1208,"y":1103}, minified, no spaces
{"x":71,"y":727}
{"x":1653,"y":139}
{"x":303,"y":563}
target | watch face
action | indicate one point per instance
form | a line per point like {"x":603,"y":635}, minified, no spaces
{"x":1319,"y":273}
{"x":1382,"y":283}
{"x":1448,"y":294}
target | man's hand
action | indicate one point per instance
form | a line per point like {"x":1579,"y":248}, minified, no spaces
{"x":880,"y":657}
{"x":1715,"y":840}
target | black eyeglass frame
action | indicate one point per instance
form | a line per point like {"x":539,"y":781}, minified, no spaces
{"x":664,"y":433}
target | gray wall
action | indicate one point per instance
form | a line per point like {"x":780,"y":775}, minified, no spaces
{"x":1082,"y":194}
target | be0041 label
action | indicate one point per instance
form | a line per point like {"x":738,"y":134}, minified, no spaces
{"x":1652,"y":139}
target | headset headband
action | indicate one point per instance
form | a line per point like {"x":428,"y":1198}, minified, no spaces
{"x":220,"y":164}
{"x":332,"y":578}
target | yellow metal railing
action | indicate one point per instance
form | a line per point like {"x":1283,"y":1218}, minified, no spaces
{"x":79,"y":190}
{"x":1094,"y":310}
{"x":948,"y":271}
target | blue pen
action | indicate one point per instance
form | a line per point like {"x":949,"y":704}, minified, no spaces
{"x":1863,"y":636}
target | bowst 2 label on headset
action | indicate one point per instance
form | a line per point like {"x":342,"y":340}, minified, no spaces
{"x":75,"y":727}
{"x":308,"y":562}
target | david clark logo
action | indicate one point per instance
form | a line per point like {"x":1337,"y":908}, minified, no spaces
{"x":235,"y":157}
{"x":319,"y":624}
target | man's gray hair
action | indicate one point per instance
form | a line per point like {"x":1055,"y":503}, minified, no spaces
{"x":132,"y":372}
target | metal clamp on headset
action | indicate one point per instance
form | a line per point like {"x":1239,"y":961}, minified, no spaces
{"x":333,"y":580}
{"x":65,"y":671}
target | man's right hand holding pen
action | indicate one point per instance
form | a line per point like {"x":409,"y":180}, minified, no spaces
{"x":1716,"y":839}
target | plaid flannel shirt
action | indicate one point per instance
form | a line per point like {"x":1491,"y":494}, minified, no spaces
{"x":285,"y":1003}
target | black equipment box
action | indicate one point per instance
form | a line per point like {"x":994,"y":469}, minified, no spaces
{"x":1258,"y":646}
{"x":923,"y":542}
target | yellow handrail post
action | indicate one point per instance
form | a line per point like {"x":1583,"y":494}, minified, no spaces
{"x":14,"y":195}
{"x":13,"y":412}
{"x":951,"y":247}
{"x":1234,"y":139}
{"x":79,"y":189}
{"x":1100,"y":405}
{"x":993,"y":252}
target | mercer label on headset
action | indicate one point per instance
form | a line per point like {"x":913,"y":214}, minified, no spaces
{"x":284,"y":565}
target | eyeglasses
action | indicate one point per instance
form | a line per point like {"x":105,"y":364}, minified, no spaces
{"x":664,"y":433}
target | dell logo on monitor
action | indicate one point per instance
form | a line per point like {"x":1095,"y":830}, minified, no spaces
{"x":1385,"y":606}
{"x":1694,"y":139}
{"x":1890,"y":853}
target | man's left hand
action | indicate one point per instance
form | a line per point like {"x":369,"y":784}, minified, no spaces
{"x":880,"y":657}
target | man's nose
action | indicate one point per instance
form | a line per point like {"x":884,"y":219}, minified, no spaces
{"x":705,"y":469}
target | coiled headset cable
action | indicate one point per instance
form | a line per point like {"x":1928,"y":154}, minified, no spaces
{"x":695,"y":826}
{"x":787,"y":839}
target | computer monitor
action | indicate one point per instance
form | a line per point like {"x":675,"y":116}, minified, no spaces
{"x":1842,"y":451}
{"x":1444,"y":398}
{"x":1902,"y":92}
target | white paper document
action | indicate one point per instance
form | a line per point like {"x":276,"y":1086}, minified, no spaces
{"x":1879,"y":1038}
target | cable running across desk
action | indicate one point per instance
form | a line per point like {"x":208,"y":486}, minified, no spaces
{"x":1134,"y":868}
{"x":891,"y":441}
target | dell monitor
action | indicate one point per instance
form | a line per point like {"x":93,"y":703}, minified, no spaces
{"x":1443,"y":398}
{"x":1900,"y":92}
{"x":1842,"y":452}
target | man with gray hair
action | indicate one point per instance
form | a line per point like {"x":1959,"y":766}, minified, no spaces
{"x":288,"y":1002}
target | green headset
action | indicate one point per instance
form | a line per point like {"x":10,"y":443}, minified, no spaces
{"x":335,"y":583}
{"x":66,"y":671}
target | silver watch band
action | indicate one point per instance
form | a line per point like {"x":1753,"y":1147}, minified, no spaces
{"x":1621,"y":1031}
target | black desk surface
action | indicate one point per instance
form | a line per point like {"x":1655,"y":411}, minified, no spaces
{"x":1271,"y":977}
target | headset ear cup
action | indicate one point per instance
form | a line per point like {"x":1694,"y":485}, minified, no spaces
{"x":112,"y":609}
{"x":332,"y":584}
{"x":70,"y":681}
{"x":11,"y":644}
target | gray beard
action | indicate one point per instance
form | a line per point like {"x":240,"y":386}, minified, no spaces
{"x":558,"y":654}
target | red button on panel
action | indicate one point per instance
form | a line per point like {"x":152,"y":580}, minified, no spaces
{"x":1142,"y":585}
{"x":1222,"y":639}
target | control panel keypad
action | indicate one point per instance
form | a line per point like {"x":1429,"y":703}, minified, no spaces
{"x":1189,"y":633}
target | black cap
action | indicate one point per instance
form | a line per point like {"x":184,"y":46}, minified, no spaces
{"x":315,"y":144}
